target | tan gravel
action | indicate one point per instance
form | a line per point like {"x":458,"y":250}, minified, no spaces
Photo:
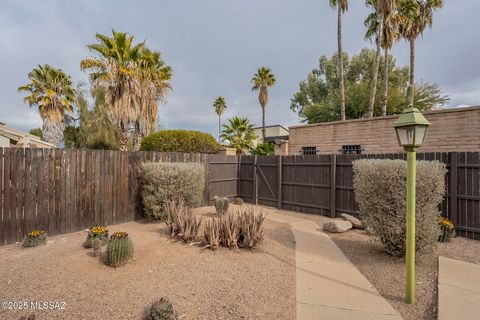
{"x":202,"y":284}
{"x":387,"y":273}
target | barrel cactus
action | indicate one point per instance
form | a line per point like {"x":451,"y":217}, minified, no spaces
{"x":97,"y":235}
{"x":35,"y":238}
{"x":221,"y":205}
{"x":162,"y":309}
{"x":120,"y":249}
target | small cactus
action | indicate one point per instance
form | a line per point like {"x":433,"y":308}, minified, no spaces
{"x":120,"y":249}
{"x":162,"y":309}
{"x":238,"y":201}
{"x":96,"y":233}
{"x":221,"y":205}
{"x":35,"y":238}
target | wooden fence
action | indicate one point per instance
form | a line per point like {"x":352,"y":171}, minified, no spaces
{"x":323,"y":184}
{"x":62,"y":191}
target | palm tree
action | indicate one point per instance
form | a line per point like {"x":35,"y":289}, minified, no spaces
{"x":152,"y":76}
{"x":219,"y":105}
{"x":374,"y":25}
{"x":419,"y":16}
{"x":115,"y":69}
{"x":261,"y":80}
{"x":390,"y":34}
{"x":342,"y":6}
{"x":239,"y":133}
{"x":52,"y":92}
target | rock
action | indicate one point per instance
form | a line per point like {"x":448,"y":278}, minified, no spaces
{"x":357,"y":224}
{"x":337,"y":226}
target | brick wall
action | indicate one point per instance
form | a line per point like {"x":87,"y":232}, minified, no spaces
{"x":451,"y":130}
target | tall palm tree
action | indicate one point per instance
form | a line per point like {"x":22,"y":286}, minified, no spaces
{"x":374,"y":25}
{"x":261,"y":80}
{"x":115,"y":69}
{"x":152,"y":79}
{"x":342,"y":6}
{"x":52,"y":92}
{"x":219,"y":105}
{"x":239,"y":133}
{"x":419,"y":16}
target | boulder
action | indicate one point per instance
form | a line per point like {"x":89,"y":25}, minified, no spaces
{"x":357,"y":224}
{"x":337,"y":226}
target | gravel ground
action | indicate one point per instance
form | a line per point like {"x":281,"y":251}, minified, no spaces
{"x":387,"y":273}
{"x":202,"y":284}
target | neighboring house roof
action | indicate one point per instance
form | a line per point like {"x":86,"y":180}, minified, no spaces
{"x":272,"y":126}
{"x":23,"y":138}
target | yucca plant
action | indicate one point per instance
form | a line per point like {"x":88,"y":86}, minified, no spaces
{"x":182,"y":221}
{"x":221,"y":205}
{"x":35,"y":238}
{"x":97,"y":235}
{"x":251,"y":227}
{"x":212,"y":234}
{"x":120,"y":249}
{"x":162,"y":309}
{"x":229,"y":229}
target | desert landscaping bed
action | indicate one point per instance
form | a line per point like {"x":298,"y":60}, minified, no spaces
{"x":387,"y":273}
{"x":202,"y":284}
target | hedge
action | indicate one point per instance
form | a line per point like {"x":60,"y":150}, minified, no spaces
{"x":161,"y":182}
{"x":380,"y":191}
{"x":187,"y":141}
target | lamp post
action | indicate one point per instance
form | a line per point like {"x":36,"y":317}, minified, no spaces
{"x":411,"y":128}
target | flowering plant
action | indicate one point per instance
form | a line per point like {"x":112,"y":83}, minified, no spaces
{"x":446,"y":229}
{"x":34,"y":238}
{"x":96,"y":233}
{"x":119,"y":235}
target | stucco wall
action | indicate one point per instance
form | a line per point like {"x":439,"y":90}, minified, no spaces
{"x":451,"y":130}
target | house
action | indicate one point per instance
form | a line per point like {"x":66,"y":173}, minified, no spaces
{"x":14,"y":138}
{"x":273,"y":133}
{"x":454,"y":129}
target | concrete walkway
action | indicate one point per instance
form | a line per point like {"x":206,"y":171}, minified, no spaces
{"x":458,"y":289}
{"x":328,"y":284}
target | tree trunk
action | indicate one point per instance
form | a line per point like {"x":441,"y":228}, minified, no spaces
{"x":52,"y":131}
{"x":411,"y":86}
{"x":137,"y":140}
{"x":123,"y":141}
{"x":385,"y":84}
{"x":340,"y":65}
{"x":219,"y":128}
{"x":376,"y":65}
{"x":263,"y":123}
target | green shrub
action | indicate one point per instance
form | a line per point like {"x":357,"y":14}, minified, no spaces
{"x":162,"y":309}
{"x":380,"y":191}
{"x":120,"y":249}
{"x":162,"y":182}
{"x":187,"y":141}
{"x":221,"y":205}
{"x":264,"y":149}
{"x":238,"y":201}
{"x":34,"y":238}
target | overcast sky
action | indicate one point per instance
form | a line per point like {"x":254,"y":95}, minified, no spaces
{"x":215,"y":46}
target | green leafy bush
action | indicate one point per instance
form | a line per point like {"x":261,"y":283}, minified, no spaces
{"x":162,"y":182}
{"x":187,"y":141}
{"x":120,"y":249}
{"x":264,"y":149}
{"x":162,"y":309}
{"x":34,"y":238}
{"x":380,"y":191}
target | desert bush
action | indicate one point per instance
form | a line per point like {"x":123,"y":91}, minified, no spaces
{"x":120,"y":249}
{"x":162,"y":309}
{"x":35,"y":238}
{"x":182,"y":221}
{"x":212,"y":234}
{"x":238,"y":201}
{"x":187,"y":141}
{"x":162,"y":182}
{"x":251,"y":227}
{"x":229,"y":229}
{"x":97,"y":236}
{"x":221,"y":205}
{"x":380,"y":191}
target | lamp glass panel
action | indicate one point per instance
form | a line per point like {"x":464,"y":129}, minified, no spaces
{"x":406,"y":135}
{"x":420,"y":135}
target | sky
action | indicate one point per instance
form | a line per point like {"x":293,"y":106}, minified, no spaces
{"x":215,"y":46}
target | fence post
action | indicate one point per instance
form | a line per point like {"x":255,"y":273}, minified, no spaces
{"x":255,"y":181}
{"x":453,"y":182}
{"x":333,"y":187}
{"x":279,"y":176}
